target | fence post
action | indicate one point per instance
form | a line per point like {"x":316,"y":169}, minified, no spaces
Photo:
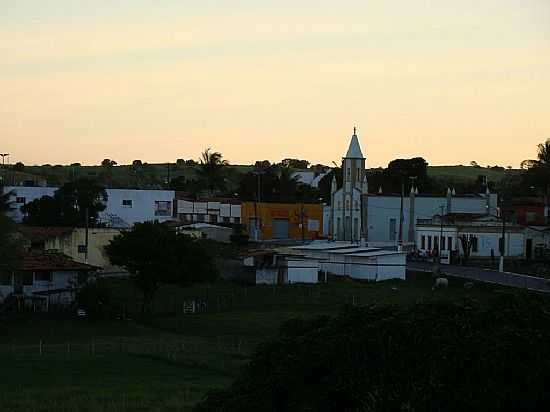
{"x":68,"y":347}
{"x":40,"y":347}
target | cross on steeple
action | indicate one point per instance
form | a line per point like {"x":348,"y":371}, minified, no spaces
{"x":354,"y":130}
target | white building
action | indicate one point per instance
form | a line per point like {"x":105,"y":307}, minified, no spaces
{"x":355,"y":214}
{"x":309,"y":177}
{"x":44,"y":279}
{"x":124,"y":207}
{"x":21,"y":195}
{"x":362,"y":263}
{"x":482,"y":233}
{"x":216,"y":210}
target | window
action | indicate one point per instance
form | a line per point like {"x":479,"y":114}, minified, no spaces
{"x":339,"y":205}
{"x":450,"y":243}
{"x":442,"y":242}
{"x":237,"y":220}
{"x":358,"y":174}
{"x":348,"y":172}
{"x":474,"y":244}
{"x":213,"y":218}
{"x":81,"y":248}
{"x":530,"y":217}
{"x":127,"y":203}
{"x":436,"y":242}
{"x":43,"y":276}
{"x":225,"y":220}
{"x":347,"y":204}
{"x":200,"y":217}
{"x":429,"y":243}
{"x":163,"y":208}
{"x":21,"y":199}
{"x":423,"y":242}
{"x":393,"y":228}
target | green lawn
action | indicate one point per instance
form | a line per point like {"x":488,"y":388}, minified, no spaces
{"x":170,"y":363}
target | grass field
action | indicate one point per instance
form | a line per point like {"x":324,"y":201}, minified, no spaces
{"x":172,"y":361}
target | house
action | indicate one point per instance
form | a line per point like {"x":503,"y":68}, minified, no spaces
{"x":310,"y":177}
{"x":528,"y":211}
{"x":282,"y":221}
{"x":72,"y":243}
{"x":340,"y":258}
{"x":126,"y":207}
{"x":207,"y":231}
{"x":43,"y":279}
{"x":271,"y":267}
{"x":481,"y":234}
{"x":208,"y":210}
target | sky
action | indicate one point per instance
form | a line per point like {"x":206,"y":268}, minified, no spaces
{"x":452,"y":81}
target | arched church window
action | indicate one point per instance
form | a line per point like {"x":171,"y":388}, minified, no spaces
{"x":349,"y":172}
{"x":356,"y":205}
{"x":358,"y":174}
{"x":347,"y":204}
{"x":339,"y":205}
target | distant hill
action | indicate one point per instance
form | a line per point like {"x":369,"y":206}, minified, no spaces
{"x":154,"y":176}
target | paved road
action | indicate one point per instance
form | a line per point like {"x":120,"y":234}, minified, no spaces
{"x":486,"y":275}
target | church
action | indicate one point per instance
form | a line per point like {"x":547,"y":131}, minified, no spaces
{"x":348,"y":210}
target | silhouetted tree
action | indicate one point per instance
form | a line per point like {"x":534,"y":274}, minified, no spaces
{"x":69,"y":205}
{"x":155,"y":255}
{"x":212,"y":171}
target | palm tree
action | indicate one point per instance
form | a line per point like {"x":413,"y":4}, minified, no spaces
{"x":212,"y":169}
{"x":544,"y":153}
{"x":286,"y":185}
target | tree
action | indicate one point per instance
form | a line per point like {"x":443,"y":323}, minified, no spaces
{"x":262,"y":164}
{"x":137,"y":164}
{"x":9,"y":245}
{"x":473,"y":163}
{"x":108,"y":163}
{"x":538,"y":172}
{"x":295,"y":163}
{"x":69,"y":206}
{"x":433,"y":356}
{"x":212,"y":171}
{"x":155,"y":255}
{"x":19,"y":167}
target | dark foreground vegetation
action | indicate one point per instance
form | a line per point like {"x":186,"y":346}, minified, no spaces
{"x":439,"y":356}
{"x":395,"y":345}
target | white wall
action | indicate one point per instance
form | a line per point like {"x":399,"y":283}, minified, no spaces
{"x":142,"y":209}
{"x":383,"y":208}
{"x":60,"y":280}
{"x":302,"y":271}
{"x":29,"y":193}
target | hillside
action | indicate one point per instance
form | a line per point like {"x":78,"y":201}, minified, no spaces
{"x":155,"y":176}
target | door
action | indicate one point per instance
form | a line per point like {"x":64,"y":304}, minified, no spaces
{"x":280,"y":228}
{"x":528,"y":249}
{"x":393,"y":229}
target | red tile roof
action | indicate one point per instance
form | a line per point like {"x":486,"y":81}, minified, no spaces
{"x":39,"y":261}
{"x":40,"y":234}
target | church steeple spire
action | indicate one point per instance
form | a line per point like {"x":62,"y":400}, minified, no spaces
{"x":354,"y":149}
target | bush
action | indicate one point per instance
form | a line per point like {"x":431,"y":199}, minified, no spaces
{"x":433,"y":357}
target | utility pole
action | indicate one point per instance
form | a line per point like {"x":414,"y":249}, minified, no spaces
{"x":442,"y":207}
{"x":87,"y":234}
{"x":400,"y":244}
{"x":503,"y":247}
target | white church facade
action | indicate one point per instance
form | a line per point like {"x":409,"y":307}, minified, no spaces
{"x":377,"y":218}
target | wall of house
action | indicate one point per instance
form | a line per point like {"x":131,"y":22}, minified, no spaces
{"x":383,"y":209}
{"x":208,"y":212}
{"x":73,"y":245}
{"x":29,"y":194}
{"x":59,"y":280}
{"x":486,"y":240}
{"x":267,"y":212}
{"x":143,"y":206}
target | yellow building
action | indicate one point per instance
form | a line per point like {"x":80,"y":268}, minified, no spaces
{"x":72,"y":242}
{"x":282,"y":220}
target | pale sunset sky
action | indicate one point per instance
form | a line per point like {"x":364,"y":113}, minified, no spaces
{"x":449,"y":80}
